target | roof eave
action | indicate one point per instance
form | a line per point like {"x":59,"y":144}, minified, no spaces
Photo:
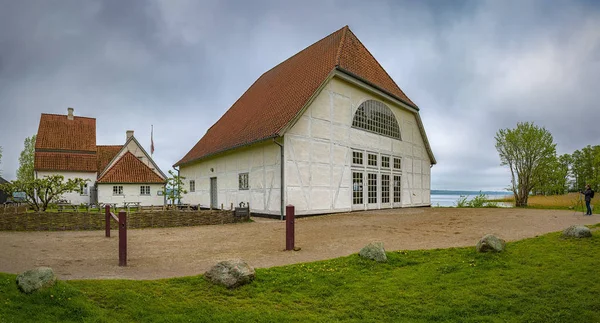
{"x":222,"y":151}
{"x":342,"y":70}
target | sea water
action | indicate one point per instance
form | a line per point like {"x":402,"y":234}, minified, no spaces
{"x":446,"y":198}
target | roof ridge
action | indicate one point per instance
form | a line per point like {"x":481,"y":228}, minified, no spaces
{"x":64,"y":115}
{"x":109,"y":145}
{"x":341,"y":45}
{"x":386,"y":73}
{"x":298,"y":53}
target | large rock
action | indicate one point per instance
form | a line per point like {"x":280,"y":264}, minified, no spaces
{"x":34,"y":279}
{"x":231,"y":273}
{"x":374,"y":251}
{"x":577,"y":231}
{"x":490,"y":242}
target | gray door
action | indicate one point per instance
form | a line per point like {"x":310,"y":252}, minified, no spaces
{"x":213,"y":193}
{"x":93,"y":195}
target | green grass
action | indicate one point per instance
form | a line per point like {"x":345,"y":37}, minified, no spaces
{"x":544,"y":279}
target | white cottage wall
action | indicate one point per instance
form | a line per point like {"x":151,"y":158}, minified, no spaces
{"x":74,"y":197}
{"x":318,"y":154}
{"x":261,"y":162}
{"x":131,"y":193}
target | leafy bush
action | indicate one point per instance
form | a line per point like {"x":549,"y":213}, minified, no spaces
{"x":462,"y":201}
{"x":479,"y":201}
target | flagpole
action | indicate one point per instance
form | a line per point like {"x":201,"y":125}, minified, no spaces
{"x":151,"y":141}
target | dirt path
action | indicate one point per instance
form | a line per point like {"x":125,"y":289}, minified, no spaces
{"x":171,"y":252}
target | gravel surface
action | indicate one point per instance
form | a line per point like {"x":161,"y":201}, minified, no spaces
{"x":174,"y":252}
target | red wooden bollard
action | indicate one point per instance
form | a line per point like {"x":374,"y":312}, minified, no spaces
{"x":122,"y":239}
{"x":289,"y":227}
{"x":107,"y":220}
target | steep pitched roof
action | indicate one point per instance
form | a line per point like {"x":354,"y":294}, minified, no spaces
{"x":129,"y":169}
{"x":57,"y":132}
{"x":75,"y":162}
{"x":280,"y":93}
{"x":105,"y":154}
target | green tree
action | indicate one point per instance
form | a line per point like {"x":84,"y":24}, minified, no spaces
{"x":174,"y":189}
{"x":25,"y":171}
{"x":40,"y":192}
{"x":527,"y":150}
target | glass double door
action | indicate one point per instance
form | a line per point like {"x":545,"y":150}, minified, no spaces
{"x":374,"y":190}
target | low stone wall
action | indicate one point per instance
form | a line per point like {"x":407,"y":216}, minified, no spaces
{"x":62,"y":221}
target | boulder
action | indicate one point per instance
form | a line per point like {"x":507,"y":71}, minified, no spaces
{"x":231,"y":273}
{"x":490,"y":242}
{"x":577,"y":231}
{"x":374,"y":251}
{"x":34,"y":279}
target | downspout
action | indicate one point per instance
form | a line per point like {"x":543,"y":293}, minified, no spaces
{"x":282,"y":177}
{"x":178,"y":187}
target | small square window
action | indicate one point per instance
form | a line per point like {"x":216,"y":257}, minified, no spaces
{"x":357,"y":157}
{"x":192,"y":185}
{"x":118,"y":190}
{"x":397,"y":163}
{"x":385,"y":161}
{"x":372,"y":160}
{"x":243,"y":179}
{"x":145,"y":190}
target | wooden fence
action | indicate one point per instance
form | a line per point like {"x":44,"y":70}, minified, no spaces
{"x":62,"y":221}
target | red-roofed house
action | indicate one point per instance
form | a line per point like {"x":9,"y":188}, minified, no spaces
{"x":66,"y":145}
{"x":327,"y":130}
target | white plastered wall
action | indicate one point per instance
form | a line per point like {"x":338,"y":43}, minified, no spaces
{"x":318,"y":152}
{"x":74,"y":197}
{"x":261,"y":162}
{"x":131,"y":193}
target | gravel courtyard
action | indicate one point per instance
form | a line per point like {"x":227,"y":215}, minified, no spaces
{"x":172,"y":252}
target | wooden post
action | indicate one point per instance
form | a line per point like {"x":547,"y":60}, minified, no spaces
{"x":107,"y":220}
{"x":122,"y":239}
{"x":289,"y":227}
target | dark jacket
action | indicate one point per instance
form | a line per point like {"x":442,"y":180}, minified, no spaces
{"x":588,"y":194}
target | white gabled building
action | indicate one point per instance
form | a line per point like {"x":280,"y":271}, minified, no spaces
{"x":66,"y":145}
{"x":327,"y":131}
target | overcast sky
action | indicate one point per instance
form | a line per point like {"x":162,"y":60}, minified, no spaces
{"x":472,"y":67}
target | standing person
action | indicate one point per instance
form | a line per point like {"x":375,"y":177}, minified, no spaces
{"x":589,"y":194}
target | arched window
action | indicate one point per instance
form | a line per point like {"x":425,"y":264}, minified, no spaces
{"x":376,"y":117}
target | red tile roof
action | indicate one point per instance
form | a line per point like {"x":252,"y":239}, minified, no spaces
{"x":105,"y":155}
{"x":75,"y":162}
{"x":129,"y":169}
{"x":56,"y":132}
{"x":280,"y":93}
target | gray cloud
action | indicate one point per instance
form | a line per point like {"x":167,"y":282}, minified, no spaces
{"x":472,"y":66}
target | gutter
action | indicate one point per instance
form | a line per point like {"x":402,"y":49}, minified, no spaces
{"x":282,"y":177}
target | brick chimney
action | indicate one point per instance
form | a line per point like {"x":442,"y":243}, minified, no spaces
{"x":70,"y":113}
{"x":129,"y":134}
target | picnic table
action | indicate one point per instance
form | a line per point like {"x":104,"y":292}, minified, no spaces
{"x":101,"y":206}
{"x":66,"y":205}
{"x":131,"y":204}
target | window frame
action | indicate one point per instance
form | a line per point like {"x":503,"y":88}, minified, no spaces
{"x":376,"y":117}
{"x":84,"y":189}
{"x":244,"y":181}
{"x":145,"y":188}
{"x":192,"y":185}
{"x":118,"y":190}
{"x":358,"y":155}
{"x":399,"y":163}
{"x":369,"y":154}
{"x":387,"y":162}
